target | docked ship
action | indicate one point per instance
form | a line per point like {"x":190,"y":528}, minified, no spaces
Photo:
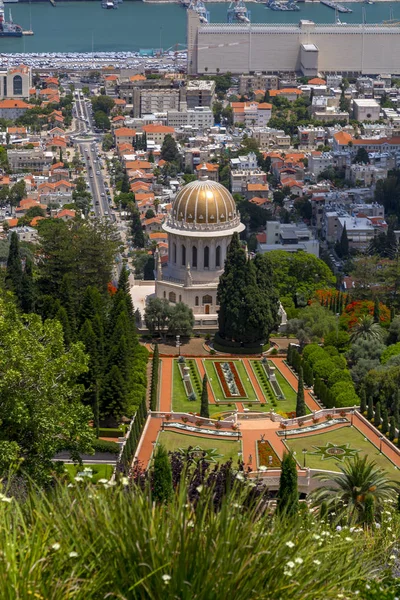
{"x":291,"y":5}
{"x":8,"y":28}
{"x":339,"y":7}
{"x":237,"y":12}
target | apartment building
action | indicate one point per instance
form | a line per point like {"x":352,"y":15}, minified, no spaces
{"x":200,"y":117}
{"x":200,"y":92}
{"x":24,"y":160}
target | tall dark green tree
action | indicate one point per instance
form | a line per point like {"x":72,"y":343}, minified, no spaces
{"x":14,"y":267}
{"x":162,"y":489}
{"x":377,"y":415}
{"x":137,"y":230}
{"x":288,"y":495}
{"x":169,"y":150}
{"x":27,"y":293}
{"x":363,"y":401}
{"x":248,"y":304}
{"x":204,"y":412}
{"x":300,"y":403}
{"x":370,"y":410}
{"x":392,"y":429}
{"x":344,"y":243}
{"x":112,"y":397}
{"x":385,"y":420}
{"x":125,"y":186}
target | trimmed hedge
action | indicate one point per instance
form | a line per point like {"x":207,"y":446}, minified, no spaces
{"x":128,"y":452}
{"x":154,"y":379}
{"x":104,"y":446}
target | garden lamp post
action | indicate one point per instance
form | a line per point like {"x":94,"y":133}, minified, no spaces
{"x":178,"y":344}
{"x":352,"y":416}
{"x":380,"y":443}
{"x":304,"y":457}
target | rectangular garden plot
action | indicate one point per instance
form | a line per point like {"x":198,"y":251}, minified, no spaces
{"x":216,"y":450}
{"x":229,"y":381}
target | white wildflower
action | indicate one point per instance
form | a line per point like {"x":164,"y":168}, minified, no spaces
{"x":73,"y":554}
{"x":298,"y":560}
{"x":377,"y":525}
{"x":240,"y":477}
{"x":78,"y":479}
{"x":112,"y":482}
{"x":348,"y":539}
{"x":338,"y":528}
{"x":56,"y":546}
{"x":125,"y":481}
{"x":4,"y":498}
{"x":166,"y":579}
{"x":102,"y":481}
{"x":316,"y":562}
{"x":70,"y":485}
{"x":290,"y":564}
{"x":316,"y":536}
{"x":199,"y":488}
{"x":290,"y":544}
{"x":392,"y":557}
{"x":190,"y":523}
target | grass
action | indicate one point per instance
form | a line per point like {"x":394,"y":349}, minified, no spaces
{"x":289,"y":404}
{"x":225,"y":449}
{"x":181,"y":403}
{"x":213,"y":379}
{"x":342,"y":435}
{"x":100,"y":471}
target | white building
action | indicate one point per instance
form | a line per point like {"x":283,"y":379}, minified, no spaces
{"x":289,"y":237}
{"x":200,"y":117}
{"x":15,"y":82}
{"x":366,"y":109}
{"x":245,"y":162}
{"x":200,"y":227}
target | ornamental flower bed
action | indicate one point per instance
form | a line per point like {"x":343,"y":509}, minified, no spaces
{"x":267,"y":456}
{"x":230,"y":380}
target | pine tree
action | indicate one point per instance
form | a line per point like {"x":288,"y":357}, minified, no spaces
{"x":370,"y":410}
{"x":392,"y":429}
{"x":300,"y":403}
{"x":27,"y":291}
{"x":112,"y":397}
{"x":62,"y":317}
{"x":288,"y":495}
{"x":363,"y":401}
{"x":385,"y":420}
{"x":377,"y":311}
{"x":204,"y":412}
{"x":123,"y":281}
{"x":377,"y":416}
{"x":14,"y":267}
{"x":162,"y":477}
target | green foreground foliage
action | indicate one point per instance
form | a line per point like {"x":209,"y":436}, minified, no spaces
{"x":116,"y":543}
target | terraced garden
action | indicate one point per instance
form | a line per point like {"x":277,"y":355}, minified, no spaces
{"x":217,"y":451}
{"x":326,"y":450}
{"x":217,"y":385}
{"x":180,"y":401}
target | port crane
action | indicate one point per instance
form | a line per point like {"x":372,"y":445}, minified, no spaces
{"x":199,"y":7}
{"x":237,"y":12}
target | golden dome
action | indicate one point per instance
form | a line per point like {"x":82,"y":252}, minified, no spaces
{"x":204,"y":202}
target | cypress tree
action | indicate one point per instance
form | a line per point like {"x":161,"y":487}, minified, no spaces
{"x":377,"y":416}
{"x":137,"y":230}
{"x":370,"y":410}
{"x":154,"y":379}
{"x":300,"y":403}
{"x":204,"y":412}
{"x":162,"y":477}
{"x":377,"y":311}
{"x":289,"y":355}
{"x":288,"y":495}
{"x":363,"y":401}
{"x":125,"y":187}
{"x":62,"y":317}
{"x":385,"y":420}
{"x":344,"y":243}
{"x":392,"y":429}
{"x":369,"y":510}
{"x":317,"y":387}
{"x":14,"y":267}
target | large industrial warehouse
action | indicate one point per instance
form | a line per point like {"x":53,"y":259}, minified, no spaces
{"x":308,"y":48}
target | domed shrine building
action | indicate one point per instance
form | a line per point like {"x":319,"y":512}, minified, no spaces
{"x":200,"y":227}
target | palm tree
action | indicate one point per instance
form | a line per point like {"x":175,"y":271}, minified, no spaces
{"x":366,"y":329}
{"x":350,"y":493}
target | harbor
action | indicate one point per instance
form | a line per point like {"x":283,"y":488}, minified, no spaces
{"x":70,"y":27}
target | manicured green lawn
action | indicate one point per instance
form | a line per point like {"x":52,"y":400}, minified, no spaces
{"x":289,"y":404}
{"x":344,"y":435}
{"x":181,"y":403}
{"x":224,"y":449}
{"x":212,"y":375}
{"x":99,"y":471}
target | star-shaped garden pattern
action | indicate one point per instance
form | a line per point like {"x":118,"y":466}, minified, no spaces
{"x":335,"y":451}
{"x":198,"y":453}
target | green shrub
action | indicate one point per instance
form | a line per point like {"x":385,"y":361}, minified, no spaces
{"x":309,"y":349}
{"x":331,"y":350}
{"x":317,"y":356}
{"x":323,"y":368}
{"x":339,"y":361}
{"x":104,"y":446}
{"x":348,"y":398}
{"x":342,"y":386}
{"x":390,"y":351}
{"x":338,"y":375}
